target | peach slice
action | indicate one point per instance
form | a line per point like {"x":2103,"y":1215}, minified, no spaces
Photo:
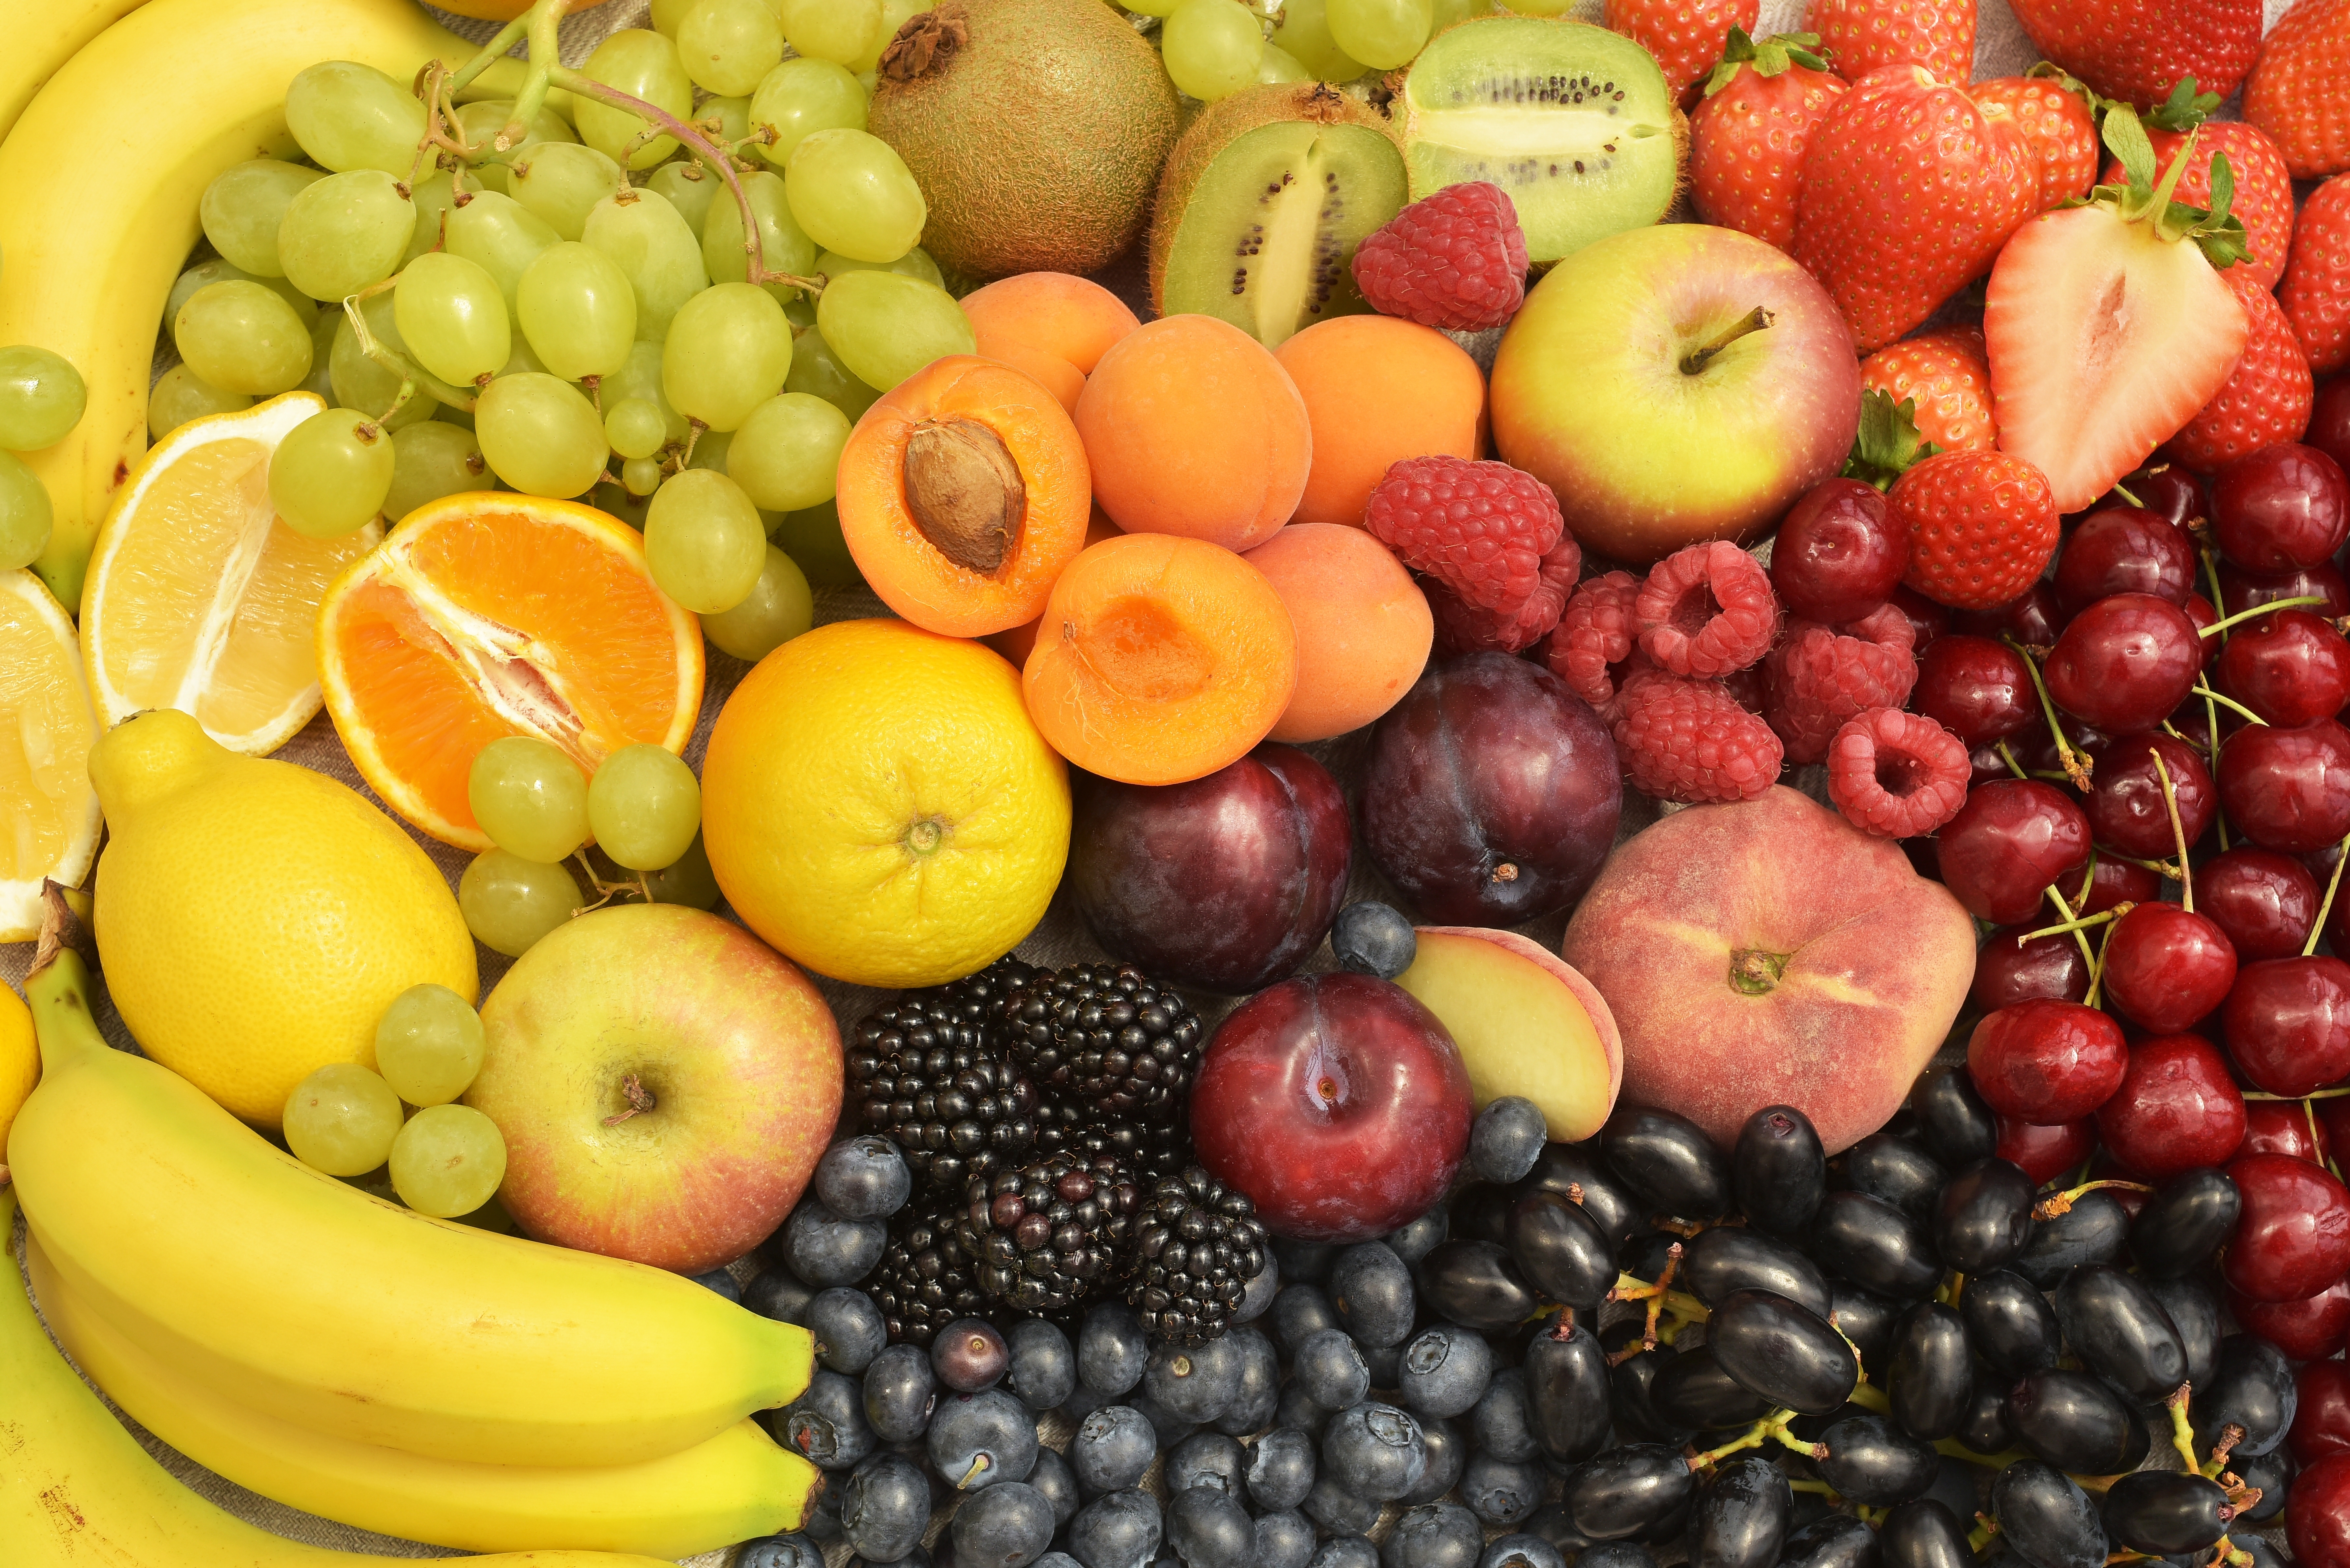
{"x":1527,"y":1023}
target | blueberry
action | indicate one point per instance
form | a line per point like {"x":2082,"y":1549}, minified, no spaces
{"x":1448,"y":1451}
{"x":980,"y":1439}
{"x":1053,"y":1477}
{"x":1280,"y":1469}
{"x":1521,"y":1551}
{"x":1209,"y":1529}
{"x":1044,"y":1370}
{"x":794,"y":1551}
{"x":1195,"y":1381}
{"x":1618,"y":1554}
{"x":1121,"y":1529}
{"x":970,"y":1354}
{"x":885,"y":1507}
{"x":1329,"y":1368}
{"x":1007,"y":1526}
{"x":1259,"y":1392}
{"x":1081,"y":1403}
{"x":918,"y":1557}
{"x":1058,"y":1560}
{"x":1298,"y":1410}
{"x":899,"y":1392}
{"x":1207,"y":1458}
{"x":1338,"y":1511}
{"x":863,"y":1178}
{"x":1374,"y":1451}
{"x":1300,"y":1312}
{"x":1417,"y":1239}
{"x":1434,"y":1536}
{"x":823,"y":1249}
{"x":1371,"y":938}
{"x":1386,"y":1364}
{"x":1370,"y":1290}
{"x":1172,"y":1426}
{"x":1303,"y":1262}
{"x":777,"y":1295}
{"x":1262,"y":1286}
{"x":1283,"y":1540}
{"x":1501,"y":1424}
{"x":1111,"y":1448}
{"x":827,"y":1423}
{"x":1507,"y":1139}
{"x":1553,"y":1524}
{"x":722,"y":1282}
{"x":1445,"y":1371}
{"x":821,"y":1522}
{"x":1501,"y":1491}
{"x":1345,"y":1551}
{"x":848,"y":1328}
{"x":1111,"y":1350}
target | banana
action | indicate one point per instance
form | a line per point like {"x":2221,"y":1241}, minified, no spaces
{"x":43,"y":36}
{"x":737,"y":1485}
{"x":77,"y":1492}
{"x":299,"y":1296}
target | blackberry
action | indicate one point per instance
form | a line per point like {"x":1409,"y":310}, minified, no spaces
{"x":930,"y":1072}
{"x":924,"y":1280}
{"x":1108,"y":1039}
{"x":1200,"y":1244}
{"x":1153,"y":1153}
{"x":1047,"y":1235}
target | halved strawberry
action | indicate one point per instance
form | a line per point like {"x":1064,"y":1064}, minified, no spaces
{"x":2109,"y":326}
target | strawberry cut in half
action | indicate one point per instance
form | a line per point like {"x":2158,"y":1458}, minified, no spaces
{"x":2107,"y":324}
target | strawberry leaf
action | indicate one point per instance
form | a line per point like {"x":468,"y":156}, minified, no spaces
{"x":1887,"y":443}
{"x":2126,"y":138}
{"x":1770,"y":58}
{"x":2184,"y":110}
{"x":2049,"y":70}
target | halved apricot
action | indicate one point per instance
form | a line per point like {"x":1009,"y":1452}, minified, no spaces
{"x":1015,"y":643}
{"x":964,"y":493}
{"x":1160,"y":659}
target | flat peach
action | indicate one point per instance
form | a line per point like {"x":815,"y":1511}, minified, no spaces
{"x":1363,"y":626}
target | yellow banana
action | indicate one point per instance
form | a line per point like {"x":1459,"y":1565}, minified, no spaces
{"x":77,"y":1492}
{"x":737,"y":1485}
{"x":302,"y":1297}
{"x":43,"y":36}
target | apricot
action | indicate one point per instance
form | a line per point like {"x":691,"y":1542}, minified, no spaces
{"x":1378,"y":389}
{"x":1160,"y":659}
{"x":964,"y":494}
{"x":1363,"y":626}
{"x":1049,"y":323}
{"x":1193,"y":428}
{"x":1016,"y":642}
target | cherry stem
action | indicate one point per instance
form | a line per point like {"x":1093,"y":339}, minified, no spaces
{"x":2076,"y":766}
{"x":2088,"y":954}
{"x":2178,"y":832}
{"x":2211,"y":696}
{"x":2009,"y":758}
{"x":2083,"y":924}
{"x":1754,"y":320}
{"x":2159,"y":868}
{"x":2325,"y":908}
{"x":2257,"y":611}
{"x":2060,"y":1203}
{"x":2340,"y":1092}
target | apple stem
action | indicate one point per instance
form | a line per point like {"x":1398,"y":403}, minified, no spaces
{"x":640,"y":1098}
{"x":1754,"y":320}
{"x":2076,"y":766}
{"x":2178,"y":831}
{"x":2333,"y":886}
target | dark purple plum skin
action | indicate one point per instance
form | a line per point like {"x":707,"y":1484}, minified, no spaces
{"x":1223,"y":884}
{"x":1492,"y":793}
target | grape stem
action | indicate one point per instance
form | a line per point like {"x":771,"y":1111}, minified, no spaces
{"x":391,"y":359}
{"x":1772,"y":1428}
{"x":2333,"y":886}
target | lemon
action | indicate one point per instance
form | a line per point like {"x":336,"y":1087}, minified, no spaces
{"x":254,"y":918}
{"x":20,"y":1061}
{"x":48,"y":817}
{"x":876,"y":805}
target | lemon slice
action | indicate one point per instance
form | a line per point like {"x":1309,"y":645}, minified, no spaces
{"x":48,"y":813}
{"x":198,"y":598}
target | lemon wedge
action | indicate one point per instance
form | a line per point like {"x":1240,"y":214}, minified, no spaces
{"x":48,"y":813}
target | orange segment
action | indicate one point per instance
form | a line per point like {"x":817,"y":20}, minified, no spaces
{"x":487,"y":614}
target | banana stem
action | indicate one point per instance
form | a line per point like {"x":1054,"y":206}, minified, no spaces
{"x":58,"y":989}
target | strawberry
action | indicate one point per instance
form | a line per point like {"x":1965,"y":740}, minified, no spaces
{"x":1946,"y":375}
{"x":2300,"y":92}
{"x":2265,"y":399}
{"x":2316,"y":290}
{"x":2058,"y":125}
{"x":1747,"y":139}
{"x":2109,"y":325}
{"x":1864,"y":35}
{"x":1908,"y":190}
{"x":1686,"y":35}
{"x":1982,"y":526}
{"x":2263,"y":185}
{"x":2137,"y":50}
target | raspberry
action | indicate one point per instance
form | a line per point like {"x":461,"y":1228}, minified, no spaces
{"x":1455,"y":260}
{"x":1481,"y":528}
{"x":1690,"y":741}
{"x":1897,"y":775}
{"x":1707,"y":610}
{"x":1463,"y":628}
{"x":1819,"y":676}
{"x":1595,"y":635}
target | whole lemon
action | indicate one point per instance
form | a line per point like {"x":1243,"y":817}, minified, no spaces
{"x":876,"y":805}
{"x":254,"y":918}
{"x":20,"y":1061}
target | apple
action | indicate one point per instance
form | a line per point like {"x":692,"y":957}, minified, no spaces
{"x":665,"y":1083}
{"x":1526,"y":1023}
{"x":1673,"y":384}
{"x":1337,"y":1103}
{"x":1768,"y":952}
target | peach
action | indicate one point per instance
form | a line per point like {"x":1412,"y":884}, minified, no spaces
{"x":1193,"y":428}
{"x":1526,"y":1023}
{"x":1363,"y":626}
{"x":1051,"y":325}
{"x":1378,"y":389}
{"x":1768,"y":952}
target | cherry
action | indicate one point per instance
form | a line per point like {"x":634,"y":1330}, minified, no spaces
{"x":1928,"y":620}
{"x":2011,"y":839}
{"x":1984,"y":764}
{"x":2317,"y":1515}
{"x":2046,"y":1062}
{"x":2125,"y":663}
{"x":2199,"y":610}
{"x":2283,"y":1126}
{"x":2175,"y":1109}
{"x":2329,"y":421}
{"x":1976,"y":689}
{"x":2124,"y":550}
{"x":2032,"y":618}
{"x":2333,"y":1116}
{"x":2294,"y":1238}
{"x":2045,"y":1152}
{"x":2289,"y":667}
{"x":2167,"y":968}
{"x":2281,"y":509}
{"x":2287,"y":1023}
{"x":2310,"y":1329}
{"x":2287,"y":787}
{"x":2241,"y":590}
{"x":2043,"y":969}
{"x":2112,"y":882}
{"x":2170,"y":493}
{"x":2036,"y":748}
{"x":2266,"y":902}
{"x":1839,"y":556}
{"x":2321,"y":1424}
{"x":2125,"y":806}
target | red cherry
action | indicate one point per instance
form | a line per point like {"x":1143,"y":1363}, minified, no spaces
{"x":2011,"y":839}
{"x":2048,"y":1062}
{"x":2292,"y":1239}
{"x":2169,"y":493}
{"x":2111,"y":883}
{"x":2310,"y":1329}
{"x":2032,"y":618}
{"x":2241,"y":590}
{"x":2329,"y":421}
{"x":2177,"y":1108}
{"x":1976,"y":689}
{"x":2317,"y":1515}
{"x":2282,"y":508}
{"x":2287,"y":788}
{"x":2125,"y":807}
{"x":2046,"y":1153}
{"x":2289,"y":667}
{"x":2167,"y":968}
{"x":2282,"y":1126}
{"x":1928,"y":620}
{"x":2266,"y":902}
{"x":2199,"y":610}
{"x":2321,"y":1425}
{"x":1837,"y":556}
{"x":2333,"y":1116}
{"x":2287,"y":1023}
{"x":2043,"y":969}
{"x":2124,"y":550}
{"x":2125,"y":663}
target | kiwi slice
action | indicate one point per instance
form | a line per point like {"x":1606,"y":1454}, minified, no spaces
{"x":1264,"y":198}
{"x":1574,"y":121}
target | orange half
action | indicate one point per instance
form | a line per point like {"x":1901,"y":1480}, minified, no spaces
{"x":489,"y":614}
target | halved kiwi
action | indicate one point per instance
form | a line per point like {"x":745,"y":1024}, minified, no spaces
{"x":1574,"y":121}
{"x":1264,"y":200}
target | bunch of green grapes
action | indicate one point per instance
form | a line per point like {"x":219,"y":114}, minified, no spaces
{"x":41,"y":398}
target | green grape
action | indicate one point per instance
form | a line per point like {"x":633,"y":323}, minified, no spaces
{"x":428,"y":1045}
{"x":529,"y":797}
{"x":359,"y":382}
{"x":244,"y":206}
{"x":729,"y":115}
{"x":641,"y":377}
{"x":540,"y":436}
{"x":640,"y":476}
{"x":321,"y":378}
{"x":214,"y":270}
{"x":342,"y":1119}
{"x":349,"y":116}
{"x":643,"y":65}
{"x":689,"y":188}
{"x":839,"y":30}
{"x":895,"y":14}
{"x":485,"y":119}
{"x":1278,"y":65}
{"x":461,"y":418}
{"x":726,"y":46}
{"x":577,"y":310}
{"x":635,"y":428}
{"x":777,"y":609}
{"x":181,"y":395}
{"x":448,"y":1160}
{"x":331,"y":473}
{"x":1382,"y":33}
{"x":704,"y":541}
{"x":560,"y":181}
{"x":727,"y":352}
{"x":668,"y":15}
{"x":818,"y":370}
{"x":435,"y":198}
{"x":503,"y":236}
{"x":787,"y":454}
{"x":784,"y":246}
{"x":41,"y":398}
{"x":24,"y":514}
{"x":654,"y":249}
{"x":885,"y":326}
{"x":802,"y":96}
{"x":915,"y":262}
{"x":244,"y":337}
{"x":852,"y":194}
{"x":645,"y":805}
{"x":521,"y":360}
{"x":452,"y":318}
{"x":688,"y":881}
{"x":1150,"y":7}
{"x":1212,"y":47}
{"x":1447,"y":12}
{"x":345,"y":233}
{"x":430,"y":461}
{"x":509,"y":902}
{"x":813,"y":540}
{"x":1302,"y":28}
{"x":710,"y":450}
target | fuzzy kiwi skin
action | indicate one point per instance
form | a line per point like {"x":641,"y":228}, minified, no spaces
{"x":1037,"y":143}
